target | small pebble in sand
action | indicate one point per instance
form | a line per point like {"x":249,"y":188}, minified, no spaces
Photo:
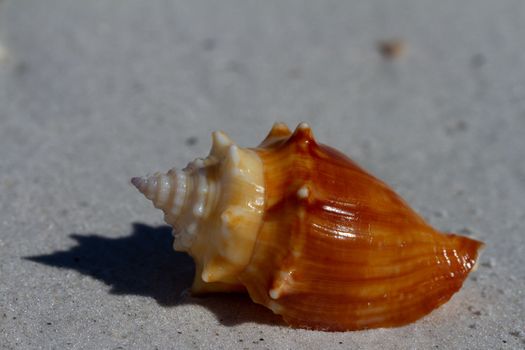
{"x":392,"y":49}
{"x":191,"y":141}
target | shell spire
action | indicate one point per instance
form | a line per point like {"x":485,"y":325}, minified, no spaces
{"x":308,"y":233}
{"x":215,"y":206}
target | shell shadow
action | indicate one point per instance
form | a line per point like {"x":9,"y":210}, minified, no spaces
{"x":145,"y":264}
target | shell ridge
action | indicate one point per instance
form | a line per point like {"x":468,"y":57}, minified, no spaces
{"x":278,"y":132}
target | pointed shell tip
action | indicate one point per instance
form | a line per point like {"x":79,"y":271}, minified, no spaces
{"x":303,"y":126}
{"x":137,"y":181}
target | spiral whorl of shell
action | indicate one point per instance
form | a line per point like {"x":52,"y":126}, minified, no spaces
{"x":308,"y":233}
{"x":215,"y":206}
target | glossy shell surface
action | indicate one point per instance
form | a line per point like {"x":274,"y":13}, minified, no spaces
{"x":328,"y":246}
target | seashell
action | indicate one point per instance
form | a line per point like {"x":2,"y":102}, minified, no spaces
{"x":307,"y":233}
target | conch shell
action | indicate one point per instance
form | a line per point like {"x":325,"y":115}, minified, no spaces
{"x":307,"y":233}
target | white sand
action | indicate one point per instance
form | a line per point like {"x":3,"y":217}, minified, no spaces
{"x":95,"y":92}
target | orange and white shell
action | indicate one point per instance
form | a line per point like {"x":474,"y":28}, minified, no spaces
{"x":307,"y":233}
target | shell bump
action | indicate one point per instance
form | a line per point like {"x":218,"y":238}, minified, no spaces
{"x":307,"y":233}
